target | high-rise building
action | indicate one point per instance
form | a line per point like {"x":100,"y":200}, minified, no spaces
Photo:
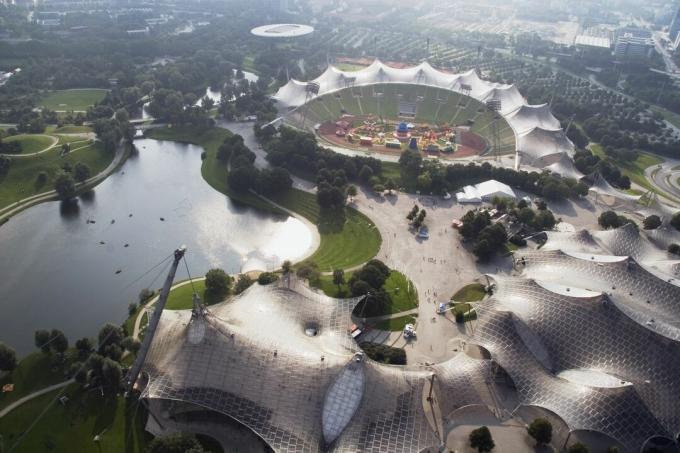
{"x":674,"y":29}
{"x":633,"y":44}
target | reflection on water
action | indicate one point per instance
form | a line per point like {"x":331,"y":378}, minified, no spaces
{"x":59,"y":261}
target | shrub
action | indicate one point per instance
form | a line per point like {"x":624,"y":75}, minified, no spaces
{"x":243,"y":283}
{"x":481,"y":439}
{"x":674,"y":249}
{"x":541,"y":430}
{"x":266,"y":278}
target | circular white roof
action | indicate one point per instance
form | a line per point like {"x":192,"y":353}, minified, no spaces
{"x":282,"y":30}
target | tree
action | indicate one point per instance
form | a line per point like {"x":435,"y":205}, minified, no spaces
{"x":4,"y":164}
{"x":243,"y":283}
{"x":608,"y":219}
{"x":578,"y":447}
{"x":8,"y":358}
{"x":132,"y":308}
{"x":309,"y":271}
{"x":175,"y":443}
{"x":108,"y":335}
{"x":145,"y":295}
{"x":675,"y":220}
{"x":84,"y":347}
{"x":217,"y":282}
{"x":111,"y":375}
{"x":287,"y":267}
{"x":674,"y":249}
{"x":481,"y":439}
{"x":651,"y":222}
{"x":82,"y":172}
{"x":365,"y":173}
{"x":58,"y":341}
{"x":545,"y":220}
{"x":42,"y":340}
{"x":266,"y":278}
{"x":352,"y":190}
{"x":541,"y":430}
{"x":65,"y":185}
{"x":338,"y":277}
{"x":131,"y":344}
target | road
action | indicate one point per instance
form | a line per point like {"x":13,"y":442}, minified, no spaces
{"x":665,"y":177}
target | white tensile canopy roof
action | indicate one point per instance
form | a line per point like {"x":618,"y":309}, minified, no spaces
{"x":541,"y":142}
{"x":528,"y":117}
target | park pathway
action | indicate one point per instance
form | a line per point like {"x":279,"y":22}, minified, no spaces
{"x":18,"y":206}
{"x":35,"y":394}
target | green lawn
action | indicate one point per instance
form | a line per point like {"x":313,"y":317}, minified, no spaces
{"x":21,"y":180}
{"x":470,"y":293}
{"x":182,"y":298}
{"x":72,"y":129}
{"x":404,"y":295}
{"x":72,"y":427}
{"x":76,"y":100}
{"x":634,"y":170}
{"x":343,"y":244}
{"x":329,"y":288}
{"x":31,"y":143}
{"x":213,"y":170}
{"x":395,"y":324}
{"x":34,"y":372}
{"x":402,"y":292}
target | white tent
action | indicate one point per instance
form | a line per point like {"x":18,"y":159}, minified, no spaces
{"x":485,"y":191}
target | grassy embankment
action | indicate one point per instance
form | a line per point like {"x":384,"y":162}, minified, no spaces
{"x":73,"y":426}
{"x":33,"y":372}
{"x":635,"y":170}
{"x":77,"y":100}
{"x":403,"y":294}
{"x":470,"y":293}
{"x":31,"y":143}
{"x":22,"y":179}
{"x":343,"y":244}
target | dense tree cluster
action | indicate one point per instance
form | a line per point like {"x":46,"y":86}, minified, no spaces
{"x":488,"y":238}
{"x":441,"y":178}
{"x":13,"y":147}
{"x":299,"y":152}
{"x":243,"y":175}
{"x":611,"y":220}
{"x":370,"y":280}
{"x":588,"y":163}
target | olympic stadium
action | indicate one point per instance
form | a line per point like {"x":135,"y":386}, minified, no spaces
{"x":436,"y":99}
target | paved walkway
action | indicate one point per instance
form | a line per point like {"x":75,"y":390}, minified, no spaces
{"x":35,"y":394}
{"x":413,"y":311}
